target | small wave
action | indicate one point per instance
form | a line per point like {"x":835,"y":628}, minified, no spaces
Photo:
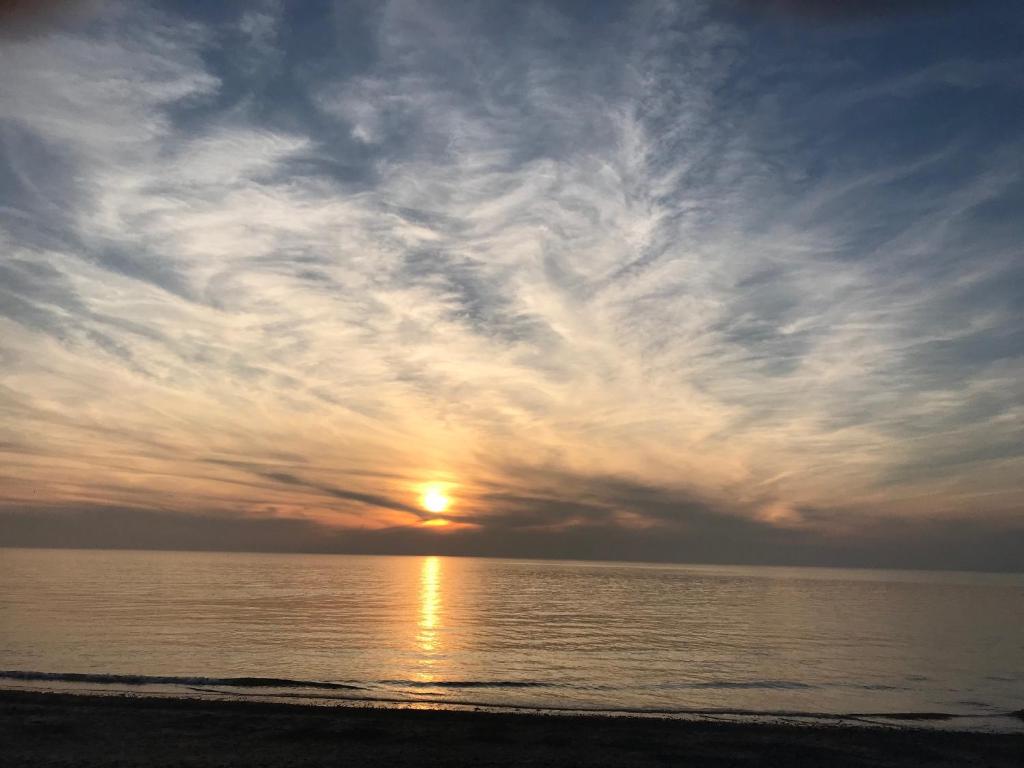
{"x":109,"y":679}
{"x":749,"y":684}
{"x":876,"y":687}
{"x":905,"y":715}
{"x":465,"y":683}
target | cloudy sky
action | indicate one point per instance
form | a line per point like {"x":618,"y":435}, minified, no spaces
{"x":705,"y":281}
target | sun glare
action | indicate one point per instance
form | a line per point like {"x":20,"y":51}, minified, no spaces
{"x":434,"y":500}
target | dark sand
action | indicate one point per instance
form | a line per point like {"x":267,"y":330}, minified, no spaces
{"x":58,"y":729}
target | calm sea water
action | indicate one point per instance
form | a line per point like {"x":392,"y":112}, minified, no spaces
{"x":574,"y":635}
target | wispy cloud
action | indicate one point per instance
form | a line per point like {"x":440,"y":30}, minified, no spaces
{"x":635,"y":268}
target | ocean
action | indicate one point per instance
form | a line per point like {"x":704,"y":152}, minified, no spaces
{"x":937,"y":648}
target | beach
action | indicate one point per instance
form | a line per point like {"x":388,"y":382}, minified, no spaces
{"x":51,"y":729}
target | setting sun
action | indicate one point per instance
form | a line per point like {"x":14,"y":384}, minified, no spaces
{"x":435,"y":500}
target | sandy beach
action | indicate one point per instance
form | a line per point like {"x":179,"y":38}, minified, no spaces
{"x":43,"y":729}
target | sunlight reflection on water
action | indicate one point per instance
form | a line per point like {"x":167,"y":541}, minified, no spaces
{"x":430,"y":606}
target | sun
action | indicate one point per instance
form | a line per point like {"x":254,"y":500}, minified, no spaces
{"x":434,"y":500}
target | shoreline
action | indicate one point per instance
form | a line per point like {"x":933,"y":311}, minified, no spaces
{"x":48,"y":728}
{"x":345,"y":695}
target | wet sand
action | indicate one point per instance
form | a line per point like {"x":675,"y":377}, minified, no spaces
{"x":48,"y":729}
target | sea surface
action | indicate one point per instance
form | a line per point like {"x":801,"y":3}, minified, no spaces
{"x":697,"y":641}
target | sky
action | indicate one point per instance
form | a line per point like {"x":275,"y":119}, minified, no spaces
{"x":700,"y":281}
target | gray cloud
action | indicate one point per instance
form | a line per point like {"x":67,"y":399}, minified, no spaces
{"x":959,"y":544}
{"x":369,"y":499}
